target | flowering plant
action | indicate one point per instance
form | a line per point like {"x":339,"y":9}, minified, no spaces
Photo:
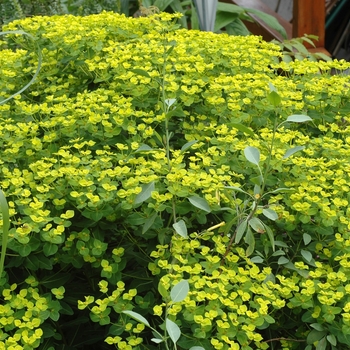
{"x":129,"y":166}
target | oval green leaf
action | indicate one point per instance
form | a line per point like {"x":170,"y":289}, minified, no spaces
{"x":180,"y":228}
{"x":298,"y":118}
{"x":179,"y":291}
{"x":200,"y":203}
{"x":173,"y":330}
{"x":252,"y":154}
{"x":145,"y":193}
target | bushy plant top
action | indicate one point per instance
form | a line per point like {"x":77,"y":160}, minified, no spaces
{"x":117,"y":165}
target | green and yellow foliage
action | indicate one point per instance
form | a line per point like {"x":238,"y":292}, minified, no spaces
{"x":121,"y":165}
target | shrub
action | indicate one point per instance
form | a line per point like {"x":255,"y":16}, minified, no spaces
{"x":127,"y":172}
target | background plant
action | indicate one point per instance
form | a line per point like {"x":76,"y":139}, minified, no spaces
{"x":229,"y":17}
{"x":129,"y":116}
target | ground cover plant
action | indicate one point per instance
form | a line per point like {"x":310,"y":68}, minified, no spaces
{"x":171,"y":189}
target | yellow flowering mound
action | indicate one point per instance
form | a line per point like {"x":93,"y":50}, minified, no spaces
{"x":121,"y":166}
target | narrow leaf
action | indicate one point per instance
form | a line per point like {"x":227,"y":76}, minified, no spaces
{"x":270,"y":214}
{"x":298,"y":118}
{"x":236,"y":189}
{"x":271,"y":21}
{"x":173,"y":330}
{"x":292,"y":151}
{"x":141,"y":72}
{"x":136,"y":316}
{"x":271,"y":237}
{"x":240,"y":231}
{"x":187,"y":145}
{"x":5,"y":229}
{"x":179,"y":291}
{"x":250,"y":240}
{"x":243,"y":128}
{"x":252,"y":154}
{"x":257,"y":225}
{"x":145,"y":193}
{"x":149,"y":222}
{"x":180,"y":228}
{"x":157,"y":340}
{"x":200,"y":203}
{"x":144,"y":148}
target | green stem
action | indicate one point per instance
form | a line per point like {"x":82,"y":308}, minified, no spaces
{"x":269,"y":157}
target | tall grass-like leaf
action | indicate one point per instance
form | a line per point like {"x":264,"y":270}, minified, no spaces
{"x":5,"y":229}
{"x":269,"y":20}
{"x":21,"y":32}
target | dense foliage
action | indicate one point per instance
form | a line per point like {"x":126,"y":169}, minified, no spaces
{"x":128,"y":175}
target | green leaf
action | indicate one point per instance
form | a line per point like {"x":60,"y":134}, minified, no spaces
{"x":306,"y":238}
{"x":271,"y":237}
{"x":145,"y":193}
{"x":50,"y":249}
{"x":250,"y":240}
{"x":317,"y":326}
{"x":257,"y":225}
{"x":21,"y":32}
{"x":252,"y":154}
{"x":282,"y":260}
{"x":162,"y":291}
{"x":179,"y":291}
{"x":24,"y":250}
{"x":243,"y":128}
{"x":231,"y":8}
{"x":5,"y":229}
{"x":236,"y":189}
{"x":200,"y":203}
{"x":270,"y":214}
{"x":240,"y":231}
{"x":237,"y":27}
{"x":149,"y":222}
{"x":269,"y":20}
{"x":322,"y":344}
{"x":306,"y":255}
{"x":187,"y":145}
{"x":173,"y":330}
{"x":274,"y":98}
{"x":180,"y":228}
{"x":292,"y":151}
{"x":157,"y":340}
{"x":223,"y":19}
{"x":298,"y":118}
{"x":136,"y":316}
{"x":332,"y":339}
{"x":141,"y":72}
{"x":144,"y":148}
